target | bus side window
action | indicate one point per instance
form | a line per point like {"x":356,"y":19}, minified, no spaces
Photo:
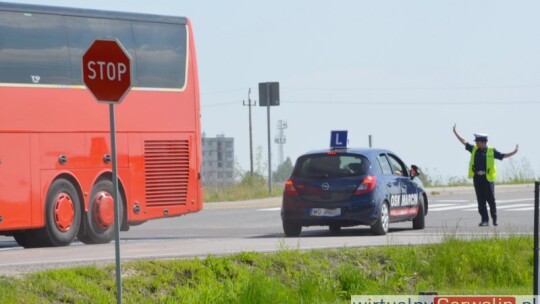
{"x":33,"y":49}
{"x":82,"y":31}
{"x":160,"y":50}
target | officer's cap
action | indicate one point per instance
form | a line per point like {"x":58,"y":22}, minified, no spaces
{"x":480,"y":137}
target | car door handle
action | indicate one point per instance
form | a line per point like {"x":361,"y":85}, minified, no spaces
{"x":389,"y":184}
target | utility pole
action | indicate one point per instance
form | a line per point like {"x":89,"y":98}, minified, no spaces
{"x":249,"y":104}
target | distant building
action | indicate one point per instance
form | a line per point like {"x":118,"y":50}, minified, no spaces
{"x":217,"y":160}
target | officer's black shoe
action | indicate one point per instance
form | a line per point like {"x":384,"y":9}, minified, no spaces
{"x":495,"y":223}
{"x":484,"y":224}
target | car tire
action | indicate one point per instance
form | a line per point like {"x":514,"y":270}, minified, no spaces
{"x":383,"y":221}
{"x":291,"y":229}
{"x":419,"y":222}
{"x":335,"y":229}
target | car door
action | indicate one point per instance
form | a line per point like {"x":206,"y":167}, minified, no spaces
{"x":391,"y":184}
{"x":409,"y":191}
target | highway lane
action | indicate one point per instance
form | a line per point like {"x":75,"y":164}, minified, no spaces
{"x":224,"y":228}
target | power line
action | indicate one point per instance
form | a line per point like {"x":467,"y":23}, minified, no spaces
{"x":222,"y":92}
{"x":409,"y":103}
{"x":391,"y":103}
{"x":221,"y":104}
{"x":525,"y":86}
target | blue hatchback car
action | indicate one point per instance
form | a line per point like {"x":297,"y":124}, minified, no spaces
{"x":349,"y":187}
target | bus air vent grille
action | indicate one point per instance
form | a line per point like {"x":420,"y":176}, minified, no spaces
{"x":166,"y":166}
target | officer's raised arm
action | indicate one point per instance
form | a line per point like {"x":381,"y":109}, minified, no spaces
{"x":506,"y":155}
{"x":461,"y":139}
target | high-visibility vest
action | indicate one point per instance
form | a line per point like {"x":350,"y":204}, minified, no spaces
{"x":491,"y":169}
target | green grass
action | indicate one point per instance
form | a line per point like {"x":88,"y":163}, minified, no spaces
{"x":510,"y":171}
{"x":483,"y":266}
{"x":249,"y":188}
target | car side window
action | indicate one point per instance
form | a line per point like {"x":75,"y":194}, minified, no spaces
{"x":398,"y":167}
{"x":384,"y":165}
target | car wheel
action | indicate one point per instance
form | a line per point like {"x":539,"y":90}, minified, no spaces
{"x":292,"y":229}
{"x":99,"y":220}
{"x":383,"y":221}
{"x":419,"y":222}
{"x":334,"y":228}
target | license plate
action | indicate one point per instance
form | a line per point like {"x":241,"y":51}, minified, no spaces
{"x":325,"y":212}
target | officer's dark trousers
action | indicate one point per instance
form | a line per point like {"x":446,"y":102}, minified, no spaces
{"x":485,"y":192}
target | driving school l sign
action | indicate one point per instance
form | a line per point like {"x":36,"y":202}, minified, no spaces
{"x":338,"y":139}
{"x":107,"y":70}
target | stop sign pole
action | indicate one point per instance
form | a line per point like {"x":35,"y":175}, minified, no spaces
{"x":106,"y":68}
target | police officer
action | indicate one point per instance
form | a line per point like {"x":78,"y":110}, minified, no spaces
{"x":483,"y":171}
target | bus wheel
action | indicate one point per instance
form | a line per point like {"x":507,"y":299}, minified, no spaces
{"x":62,"y":218}
{"x":99,"y":220}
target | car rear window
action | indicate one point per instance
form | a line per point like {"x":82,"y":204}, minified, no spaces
{"x":331,"y":166}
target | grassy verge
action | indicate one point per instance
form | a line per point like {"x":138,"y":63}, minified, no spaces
{"x":254,"y":187}
{"x":484,"y":266}
{"x":249,"y":188}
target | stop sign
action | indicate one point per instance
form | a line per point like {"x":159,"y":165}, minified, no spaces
{"x":107,"y":70}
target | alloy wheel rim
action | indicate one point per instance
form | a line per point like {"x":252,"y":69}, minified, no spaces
{"x":384,"y":217}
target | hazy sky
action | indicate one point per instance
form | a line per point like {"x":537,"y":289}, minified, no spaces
{"x":401,"y":71}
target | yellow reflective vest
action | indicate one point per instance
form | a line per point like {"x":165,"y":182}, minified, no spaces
{"x":491,"y":169}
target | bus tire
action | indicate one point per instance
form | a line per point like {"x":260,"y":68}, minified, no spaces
{"x":99,"y":220}
{"x":62,"y":217}
{"x":23,"y":238}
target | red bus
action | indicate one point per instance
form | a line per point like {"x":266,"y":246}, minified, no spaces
{"x":55,"y":163}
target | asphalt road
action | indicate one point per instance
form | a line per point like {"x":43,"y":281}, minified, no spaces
{"x":230,"y":227}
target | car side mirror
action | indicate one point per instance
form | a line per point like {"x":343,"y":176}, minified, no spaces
{"x":415,"y":171}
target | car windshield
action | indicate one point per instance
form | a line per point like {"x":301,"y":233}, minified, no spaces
{"x":331,"y":166}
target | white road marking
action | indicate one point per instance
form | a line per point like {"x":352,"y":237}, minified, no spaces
{"x":513,"y":206}
{"x":432,"y":208}
{"x":440,"y":205}
{"x":515,"y":200}
{"x":270,"y":209}
{"x":472,"y":205}
{"x":445,"y":205}
{"x":451,"y":201}
{"x":522,"y":209}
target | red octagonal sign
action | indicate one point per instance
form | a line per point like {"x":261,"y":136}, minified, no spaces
{"x":107,"y":70}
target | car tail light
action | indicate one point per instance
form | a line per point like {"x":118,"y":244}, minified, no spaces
{"x":367,"y":185}
{"x":289,"y":188}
